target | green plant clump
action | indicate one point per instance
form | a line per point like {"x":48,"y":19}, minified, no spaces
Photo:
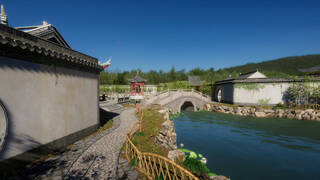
{"x":212,"y":174}
{"x":279,"y":106}
{"x":196,"y":166}
{"x":193,"y":163}
{"x":140,"y":134}
{"x":173,"y":116}
{"x":134,"y":162}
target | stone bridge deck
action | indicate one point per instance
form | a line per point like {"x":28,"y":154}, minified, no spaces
{"x":179,"y":99}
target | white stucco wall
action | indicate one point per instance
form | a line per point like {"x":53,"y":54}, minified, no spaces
{"x":151,"y":89}
{"x":265,"y":93}
{"x":45,"y":103}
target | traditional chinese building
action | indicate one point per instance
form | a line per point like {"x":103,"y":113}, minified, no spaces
{"x":49,"y":92}
{"x":254,"y":88}
{"x":137,"y":87}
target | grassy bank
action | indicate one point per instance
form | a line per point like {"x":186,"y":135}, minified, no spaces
{"x":151,"y":125}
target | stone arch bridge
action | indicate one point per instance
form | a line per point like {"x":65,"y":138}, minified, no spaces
{"x":179,"y":100}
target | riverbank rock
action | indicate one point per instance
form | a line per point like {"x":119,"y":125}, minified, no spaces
{"x":289,"y":114}
{"x":260,"y":114}
{"x":176,"y":154}
{"x":218,"y":178}
{"x":167,"y":136}
{"x":308,"y":114}
{"x":207,"y":107}
{"x":269,"y":112}
{"x":237,"y":111}
{"x":166,"y":113}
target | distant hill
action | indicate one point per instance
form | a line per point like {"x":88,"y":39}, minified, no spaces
{"x":283,"y":67}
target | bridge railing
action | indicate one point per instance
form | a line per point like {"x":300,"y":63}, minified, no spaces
{"x":178,"y":92}
{"x":153,"y":165}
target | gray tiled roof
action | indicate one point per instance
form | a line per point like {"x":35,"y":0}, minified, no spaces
{"x":13,"y":40}
{"x":194,"y":81}
{"x":262,"y":80}
{"x":45,"y":31}
{"x":138,"y":78}
{"x":246,"y":75}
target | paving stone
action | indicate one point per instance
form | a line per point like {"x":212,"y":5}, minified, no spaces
{"x":103,"y":154}
{"x":94,"y":157}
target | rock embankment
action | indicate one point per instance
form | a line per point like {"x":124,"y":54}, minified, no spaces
{"x":308,"y":114}
{"x":167,"y":136}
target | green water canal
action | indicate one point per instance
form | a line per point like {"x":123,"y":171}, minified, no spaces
{"x":246,"y":148}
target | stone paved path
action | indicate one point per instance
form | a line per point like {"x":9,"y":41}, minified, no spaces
{"x":93,"y":157}
{"x":99,"y":160}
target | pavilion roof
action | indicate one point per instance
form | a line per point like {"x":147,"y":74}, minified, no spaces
{"x":138,"y":78}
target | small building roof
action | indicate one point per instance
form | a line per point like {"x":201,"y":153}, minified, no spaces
{"x":252,"y":74}
{"x":137,"y":79}
{"x":257,"y":77}
{"x":311,"y":69}
{"x":194,"y":81}
{"x":264,"y":80}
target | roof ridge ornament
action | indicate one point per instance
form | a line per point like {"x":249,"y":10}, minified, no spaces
{"x":4,"y":17}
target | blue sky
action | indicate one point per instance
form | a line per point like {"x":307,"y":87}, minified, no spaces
{"x":159,"y":34}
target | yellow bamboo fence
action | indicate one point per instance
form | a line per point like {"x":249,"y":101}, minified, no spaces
{"x":153,"y":165}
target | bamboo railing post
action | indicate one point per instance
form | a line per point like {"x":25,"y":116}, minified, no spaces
{"x":141,"y":119}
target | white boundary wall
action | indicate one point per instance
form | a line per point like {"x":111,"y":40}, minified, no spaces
{"x":264,"y":93}
{"x":45,"y":103}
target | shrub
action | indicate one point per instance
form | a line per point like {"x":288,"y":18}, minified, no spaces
{"x":140,"y":134}
{"x":196,"y":166}
{"x":279,"y":106}
{"x":302,"y":93}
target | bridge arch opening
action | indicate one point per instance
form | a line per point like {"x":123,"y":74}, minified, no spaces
{"x":187,"y":106}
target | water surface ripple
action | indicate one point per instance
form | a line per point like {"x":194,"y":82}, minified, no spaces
{"x":253,"y":148}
